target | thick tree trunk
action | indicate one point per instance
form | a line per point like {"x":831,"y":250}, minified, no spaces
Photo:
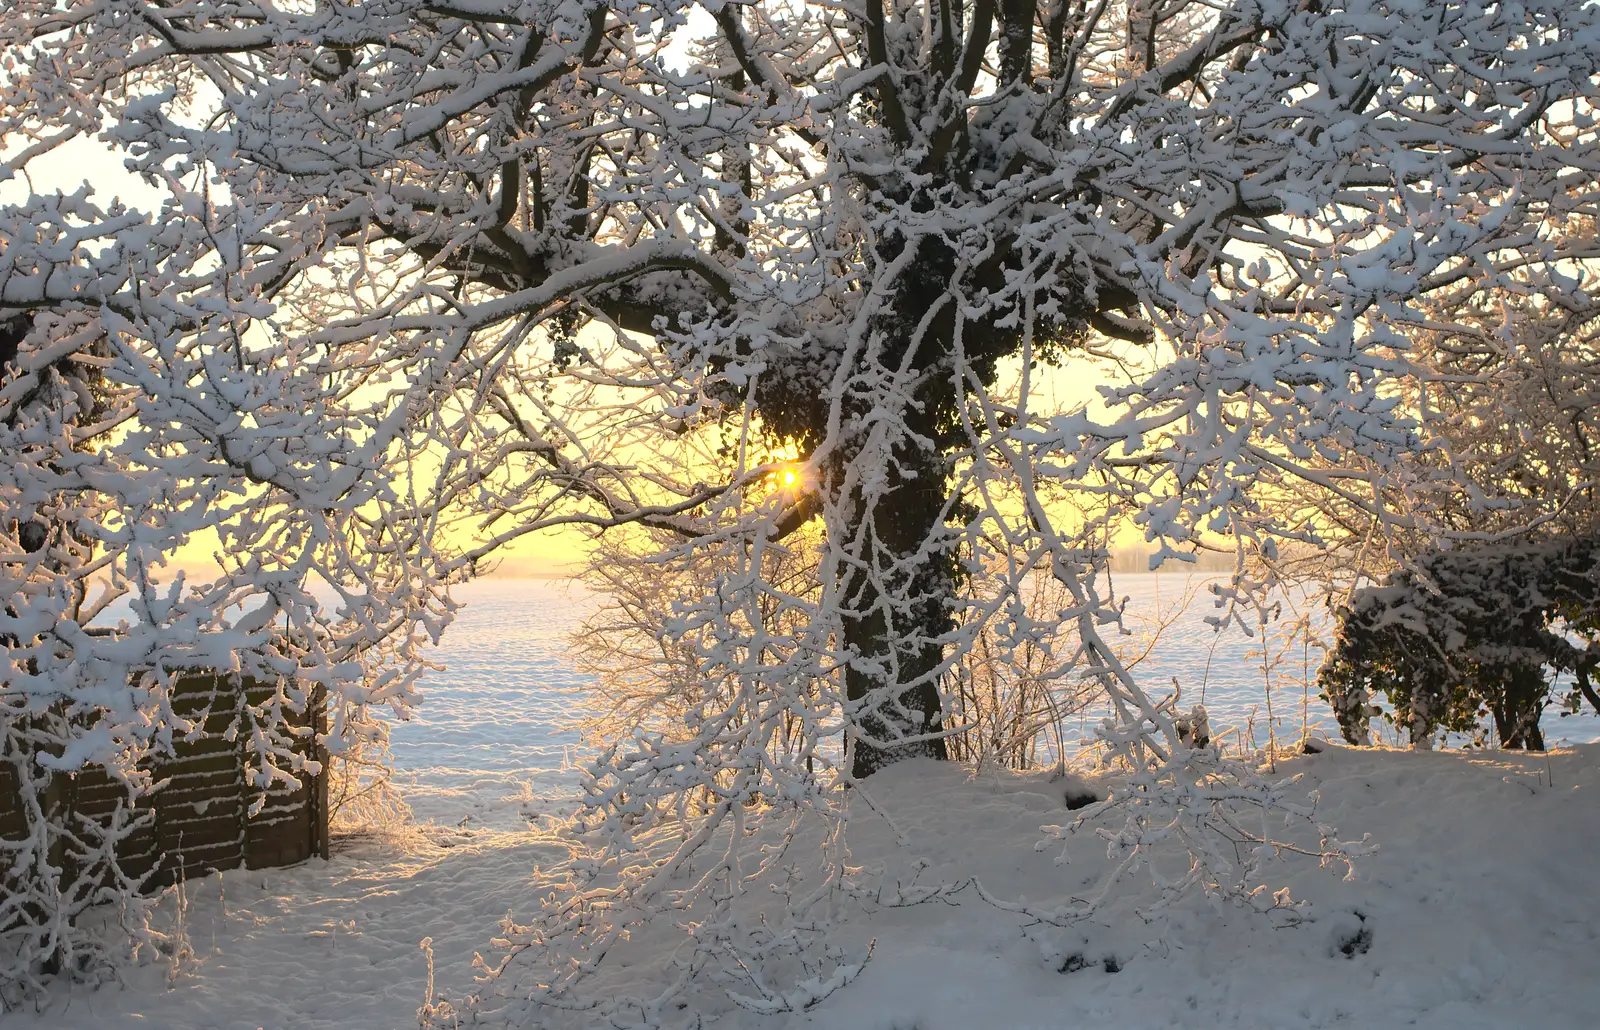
{"x":1516,"y":714}
{"x":895,"y":637}
{"x":900,"y":601}
{"x":899,"y":606}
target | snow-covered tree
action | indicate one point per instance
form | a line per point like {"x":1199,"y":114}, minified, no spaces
{"x":850,"y":227}
{"x":141,"y":416}
{"x":514,"y":261}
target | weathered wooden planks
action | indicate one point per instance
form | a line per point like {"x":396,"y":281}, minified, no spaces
{"x":199,"y":810}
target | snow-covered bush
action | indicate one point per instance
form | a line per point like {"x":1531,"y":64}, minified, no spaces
{"x":651,"y":667}
{"x":658,"y":666}
{"x":362,"y":796}
{"x":111,"y":467}
{"x":142,"y":425}
{"x":1467,"y":636}
{"x":1008,"y":706}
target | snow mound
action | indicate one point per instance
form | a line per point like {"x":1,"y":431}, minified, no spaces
{"x":1476,"y":911}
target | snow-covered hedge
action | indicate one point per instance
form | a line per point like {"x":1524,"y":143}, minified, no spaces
{"x":1464,"y":636}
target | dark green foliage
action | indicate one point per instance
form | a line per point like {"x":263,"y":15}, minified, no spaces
{"x":1460,"y":638}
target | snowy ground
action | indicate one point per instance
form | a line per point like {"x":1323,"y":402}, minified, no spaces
{"x":327,"y":944}
{"x":1479,"y":907}
{"x":1478,"y":910}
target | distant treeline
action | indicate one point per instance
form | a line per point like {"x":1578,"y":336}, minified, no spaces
{"x":1123,"y":561}
{"x":1137,"y":559}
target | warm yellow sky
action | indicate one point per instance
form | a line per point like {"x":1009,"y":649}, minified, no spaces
{"x":1056,"y":389}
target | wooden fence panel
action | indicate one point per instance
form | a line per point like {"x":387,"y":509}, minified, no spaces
{"x":202,"y":799}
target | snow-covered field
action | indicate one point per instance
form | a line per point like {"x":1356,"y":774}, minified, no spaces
{"x":1477,"y":911}
{"x":487,"y":744}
